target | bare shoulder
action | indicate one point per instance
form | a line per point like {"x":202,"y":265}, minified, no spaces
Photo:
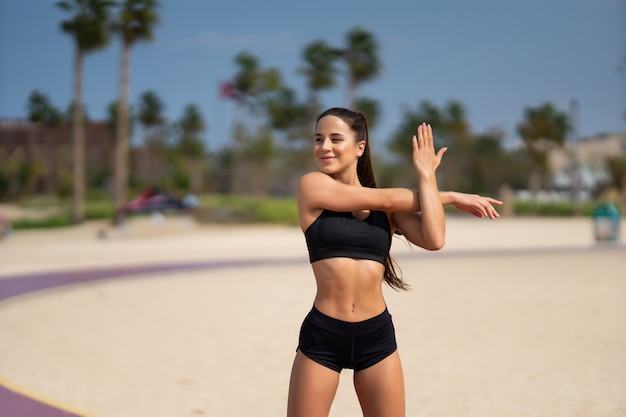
{"x":312,"y":178}
{"x":308,"y":207}
{"x":317,"y":190}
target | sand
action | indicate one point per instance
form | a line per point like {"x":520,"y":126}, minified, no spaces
{"x":514,"y":317}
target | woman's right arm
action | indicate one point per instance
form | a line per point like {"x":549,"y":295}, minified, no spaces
{"x":317,"y":190}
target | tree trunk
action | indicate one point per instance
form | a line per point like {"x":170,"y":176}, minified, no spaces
{"x":239,"y":139}
{"x":196,"y":171}
{"x":534,"y":184}
{"x":49,"y":158}
{"x":351,"y":96}
{"x":78,"y":137}
{"x":121,"y":143}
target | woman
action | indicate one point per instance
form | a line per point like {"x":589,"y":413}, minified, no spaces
{"x":348,"y":223}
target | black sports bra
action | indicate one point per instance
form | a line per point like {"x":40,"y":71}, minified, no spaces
{"x":341,"y":235}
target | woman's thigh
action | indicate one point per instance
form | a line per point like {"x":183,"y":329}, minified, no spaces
{"x":380,"y":388}
{"x":312,"y":388}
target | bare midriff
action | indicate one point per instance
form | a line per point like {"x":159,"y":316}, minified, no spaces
{"x":349,"y":289}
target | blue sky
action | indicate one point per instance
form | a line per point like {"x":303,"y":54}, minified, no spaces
{"x":496,"y":57}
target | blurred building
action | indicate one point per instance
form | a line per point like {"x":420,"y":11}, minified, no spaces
{"x":48,"y":151}
{"x":583,"y":164}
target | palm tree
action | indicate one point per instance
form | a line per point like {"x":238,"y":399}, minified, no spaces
{"x":292,"y":119}
{"x":44,"y":113}
{"x":192,"y":124}
{"x":447,"y":123}
{"x":245,"y":80}
{"x":286,"y":114}
{"x":361,"y":57}
{"x":371,"y":108}
{"x":112,"y":114}
{"x":88,"y":26}
{"x":150,"y":113}
{"x":150,"y":116}
{"x":251,"y":82}
{"x":191,"y":146}
{"x":113,"y":117}
{"x":41,"y":110}
{"x":320,"y":71}
{"x":252,"y":88}
{"x":451,"y":129}
{"x":243,"y":89}
{"x":542,"y":129}
{"x":135,"y":22}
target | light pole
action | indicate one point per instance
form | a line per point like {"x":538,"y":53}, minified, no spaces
{"x":575,"y":172}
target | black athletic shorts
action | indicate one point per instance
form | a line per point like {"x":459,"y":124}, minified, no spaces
{"x":339,"y":344}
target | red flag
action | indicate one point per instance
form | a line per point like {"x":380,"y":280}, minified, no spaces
{"x":227,"y":90}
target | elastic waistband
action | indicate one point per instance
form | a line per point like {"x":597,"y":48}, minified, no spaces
{"x":333,"y":324}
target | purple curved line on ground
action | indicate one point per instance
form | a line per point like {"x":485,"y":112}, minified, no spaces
{"x":12,"y":286}
{"x":13,"y":404}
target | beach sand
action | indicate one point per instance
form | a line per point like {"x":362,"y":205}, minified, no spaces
{"x":515,"y":317}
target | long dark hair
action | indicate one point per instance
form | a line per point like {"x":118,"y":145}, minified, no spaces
{"x":365,"y":172}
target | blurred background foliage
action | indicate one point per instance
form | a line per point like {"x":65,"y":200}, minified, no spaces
{"x":253,"y":177}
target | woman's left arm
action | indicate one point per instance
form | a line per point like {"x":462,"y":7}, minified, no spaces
{"x":474,"y":204}
{"x":427,"y":227}
{"x":411,"y":224}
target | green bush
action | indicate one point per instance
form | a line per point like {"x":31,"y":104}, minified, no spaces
{"x":57,"y":220}
{"x":558,"y":208}
{"x":275,"y":211}
{"x":250,"y":209}
{"x":245,"y":209}
{"x":99,"y":209}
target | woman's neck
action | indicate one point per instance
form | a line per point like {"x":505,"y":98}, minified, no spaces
{"x":349,"y":178}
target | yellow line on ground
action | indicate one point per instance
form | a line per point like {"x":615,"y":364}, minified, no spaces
{"x":42,"y":399}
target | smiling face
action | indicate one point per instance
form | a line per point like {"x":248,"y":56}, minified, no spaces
{"x":336,"y":150}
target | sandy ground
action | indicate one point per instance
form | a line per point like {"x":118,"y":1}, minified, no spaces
{"x":516,"y":317}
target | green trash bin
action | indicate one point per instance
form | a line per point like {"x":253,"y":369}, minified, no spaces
{"x":606,"y":222}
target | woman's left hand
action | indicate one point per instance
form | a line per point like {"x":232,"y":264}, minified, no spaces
{"x":477,"y":205}
{"x":425,"y":160}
